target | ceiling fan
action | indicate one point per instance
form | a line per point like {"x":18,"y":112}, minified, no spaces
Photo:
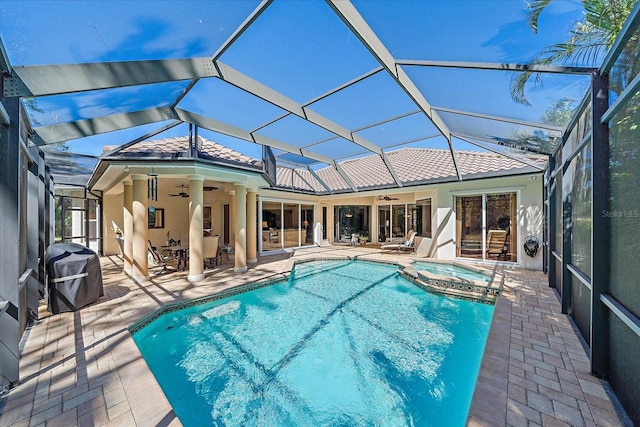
{"x":182,"y":193}
{"x":387,"y":198}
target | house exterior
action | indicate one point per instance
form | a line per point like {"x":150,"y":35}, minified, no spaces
{"x":201,"y":188}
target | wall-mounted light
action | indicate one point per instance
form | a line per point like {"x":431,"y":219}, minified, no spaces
{"x":126,"y":168}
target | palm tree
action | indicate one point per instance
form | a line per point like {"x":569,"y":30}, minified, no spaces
{"x":588,"y":39}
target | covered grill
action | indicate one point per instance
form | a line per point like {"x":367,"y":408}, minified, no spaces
{"x":74,"y":277}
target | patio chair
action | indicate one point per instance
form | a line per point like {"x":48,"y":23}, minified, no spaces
{"x":160,"y":259}
{"x":210,"y":250}
{"x":497,"y":245}
{"x":408,"y":245}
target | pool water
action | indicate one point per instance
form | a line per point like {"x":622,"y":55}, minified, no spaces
{"x":346,"y":343}
{"x":450,"y":270}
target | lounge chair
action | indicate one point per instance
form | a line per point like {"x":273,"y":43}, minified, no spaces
{"x":408,"y":245}
{"x":160,"y":259}
{"x":497,"y":244}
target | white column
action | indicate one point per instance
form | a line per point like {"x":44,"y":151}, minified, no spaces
{"x":252,"y":225}
{"x":127,"y":214}
{"x":140,"y":233}
{"x":196,"y":262}
{"x":240,"y":221}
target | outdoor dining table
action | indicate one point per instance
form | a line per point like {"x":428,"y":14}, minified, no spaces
{"x":180,"y":252}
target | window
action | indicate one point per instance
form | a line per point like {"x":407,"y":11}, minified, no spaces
{"x":156,"y":217}
{"x":420,"y":217}
{"x":206,"y":218}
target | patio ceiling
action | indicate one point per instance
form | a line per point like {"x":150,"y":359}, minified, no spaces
{"x":318,"y":82}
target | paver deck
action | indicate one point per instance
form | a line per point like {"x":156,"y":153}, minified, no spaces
{"x":83,"y":368}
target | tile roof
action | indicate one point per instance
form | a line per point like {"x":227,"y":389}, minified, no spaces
{"x":420,"y":164}
{"x":413,"y":166}
{"x":178,"y":147}
{"x":298,"y":179}
{"x":368,"y":172}
{"x":333,"y":179}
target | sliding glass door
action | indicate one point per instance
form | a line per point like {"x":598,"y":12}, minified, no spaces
{"x":469,"y":227}
{"x":308,"y":222}
{"x":351,"y":220}
{"x":396,"y":221}
{"x":286,"y":225}
{"x":384,"y":223}
{"x":398,"y":218}
{"x":271,"y":226}
{"x":486,"y":226}
{"x":291,"y":229}
{"x":501,"y":230}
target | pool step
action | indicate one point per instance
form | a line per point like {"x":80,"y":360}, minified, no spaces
{"x":469,"y":290}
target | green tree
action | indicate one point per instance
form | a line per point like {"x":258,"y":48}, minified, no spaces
{"x":35,"y":111}
{"x":588,"y":39}
{"x":32,"y":107}
{"x":559,"y":113}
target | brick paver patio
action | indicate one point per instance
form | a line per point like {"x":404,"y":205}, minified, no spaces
{"x":83,"y":368}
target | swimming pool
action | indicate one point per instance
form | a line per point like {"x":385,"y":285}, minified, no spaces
{"x":450,"y":270}
{"x":339,"y":343}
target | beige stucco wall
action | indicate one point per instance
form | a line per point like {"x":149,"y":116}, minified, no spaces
{"x":529,"y":212}
{"x":443,"y":218}
{"x":112,"y":212}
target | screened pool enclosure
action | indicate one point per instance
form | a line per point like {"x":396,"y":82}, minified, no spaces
{"x":323,"y":99}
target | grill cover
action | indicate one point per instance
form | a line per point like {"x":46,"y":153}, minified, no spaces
{"x":74,"y":277}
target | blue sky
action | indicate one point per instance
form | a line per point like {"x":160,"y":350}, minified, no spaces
{"x":299,"y":48}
